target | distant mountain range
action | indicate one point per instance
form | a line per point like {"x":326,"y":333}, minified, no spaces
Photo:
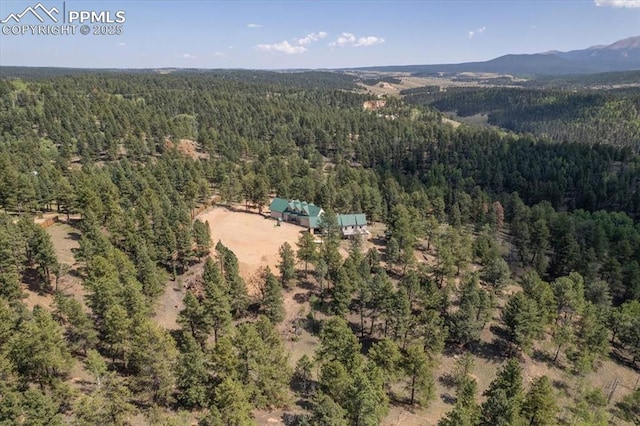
{"x":623,"y":55}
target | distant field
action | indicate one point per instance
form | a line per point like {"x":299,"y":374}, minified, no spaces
{"x":411,"y":82}
{"x":475,"y":120}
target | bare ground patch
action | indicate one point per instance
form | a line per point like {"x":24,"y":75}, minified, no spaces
{"x":253,"y":238}
{"x":65,"y":239}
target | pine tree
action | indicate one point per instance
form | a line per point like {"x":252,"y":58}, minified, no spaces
{"x":223,"y":359}
{"x":116,"y":329}
{"x":466,"y":411}
{"x":80,"y":332}
{"x":192,"y":375}
{"x":231,"y":272}
{"x":193,"y":318}
{"x":262,"y":363}
{"x":287,"y":265}
{"x":497,"y":273}
{"x":96,"y":366}
{"x":232,"y":404}
{"x":504,"y":397}
{"x":216,"y":306}
{"x":273,"y":301}
{"x":153,"y":360}
{"x":418,"y":367}
{"x":38,"y":350}
{"x":386,"y":355}
{"x":540,"y":408}
{"x":589,"y":408}
{"x":40,"y":251}
{"x":39,"y":408}
{"x":466,"y":324}
{"x":591,"y":339}
{"x":202,"y":238}
{"x":367,"y":401}
{"x":326,"y":412}
{"x":522,"y":317}
{"x":335,"y":381}
{"x":109,"y":405}
{"x":392,"y":252}
{"x":303,"y":372}
{"x":400,"y":317}
{"x":274,"y":374}
{"x":630,"y":407}
{"x":338,"y":343}
{"x":307,"y":251}
{"x":462,"y":368}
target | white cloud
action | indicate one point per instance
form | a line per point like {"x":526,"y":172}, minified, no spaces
{"x":350,"y":39}
{"x":284,"y":47}
{"x":479,"y":31}
{"x":344,"y":39}
{"x":298,"y":45}
{"x":618,"y":3}
{"x":311,"y":37}
{"x":369,"y":41}
{"x":188,"y":56}
{"x":122,"y":44}
{"x":254,"y":25}
{"x":219,"y":54}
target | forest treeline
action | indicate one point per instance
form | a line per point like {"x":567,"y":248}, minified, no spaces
{"x":103,"y":149}
{"x":605,"y":116}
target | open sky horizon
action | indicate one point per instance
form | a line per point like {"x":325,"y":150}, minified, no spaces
{"x":312,"y":34}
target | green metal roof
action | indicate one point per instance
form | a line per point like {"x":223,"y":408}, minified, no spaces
{"x":314,"y":222}
{"x":352,"y":219}
{"x":303,"y":208}
{"x":278,"y":205}
{"x":314,"y":211}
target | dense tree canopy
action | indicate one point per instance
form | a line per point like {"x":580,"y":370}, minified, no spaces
{"x":129,"y":159}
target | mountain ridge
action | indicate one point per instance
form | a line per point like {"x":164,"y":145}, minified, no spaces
{"x":621,"y":55}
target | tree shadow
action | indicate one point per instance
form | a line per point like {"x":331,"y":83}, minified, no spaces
{"x":73,"y":236}
{"x":32,"y":278}
{"x":402,"y":402}
{"x":544,"y":357}
{"x":306,"y":284}
{"x":619,"y":358}
{"x":296,"y":419}
{"x":304,"y":403}
{"x":301,"y":297}
{"x":323,"y":307}
{"x":447,"y":380}
{"x":304,"y":388}
{"x":378,"y":241}
{"x":496,"y":351}
{"x":561,"y":385}
{"x":499,"y":332}
{"x":254,"y":309}
{"x":447,"y":398}
{"x":310,"y":325}
{"x":366,"y":343}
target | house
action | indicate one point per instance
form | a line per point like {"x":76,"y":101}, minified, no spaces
{"x":296,"y":211}
{"x":308,"y":215}
{"x":352,"y":224}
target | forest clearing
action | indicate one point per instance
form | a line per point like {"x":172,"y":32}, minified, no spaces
{"x":252,"y":237}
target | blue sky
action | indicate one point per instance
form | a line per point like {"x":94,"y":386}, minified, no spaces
{"x":318,"y":34}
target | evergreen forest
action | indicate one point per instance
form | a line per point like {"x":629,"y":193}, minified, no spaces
{"x":503,"y":289}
